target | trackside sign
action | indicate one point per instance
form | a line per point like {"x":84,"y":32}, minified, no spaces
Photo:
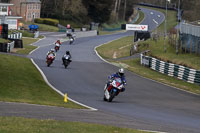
{"x":135,"y":27}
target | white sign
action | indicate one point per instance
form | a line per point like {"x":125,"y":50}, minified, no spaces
{"x":136,"y":27}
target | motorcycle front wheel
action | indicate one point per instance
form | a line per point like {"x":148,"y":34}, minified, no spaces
{"x":66,"y":63}
{"x":49,"y":63}
{"x":112,"y":95}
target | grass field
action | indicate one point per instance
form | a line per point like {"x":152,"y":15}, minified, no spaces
{"x":23,"y":125}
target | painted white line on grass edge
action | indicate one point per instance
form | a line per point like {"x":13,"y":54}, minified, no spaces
{"x":59,"y":92}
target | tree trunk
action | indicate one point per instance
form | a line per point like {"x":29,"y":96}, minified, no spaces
{"x":124,"y":15}
{"x":115,"y":8}
{"x":118,"y":8}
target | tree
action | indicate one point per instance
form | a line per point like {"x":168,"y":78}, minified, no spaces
{"x":99,"y":10}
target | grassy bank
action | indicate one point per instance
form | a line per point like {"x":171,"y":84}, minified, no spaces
{"x":21,"y":82}
{"x":12,"y":124}
{"x":118,"y":48}
{"x":157,"y":50}
{"x":107,"y":51}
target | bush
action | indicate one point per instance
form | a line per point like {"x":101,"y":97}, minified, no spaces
{"x":39,"y":20}
{"x":47,"y":21}
{"x":27,"y":33}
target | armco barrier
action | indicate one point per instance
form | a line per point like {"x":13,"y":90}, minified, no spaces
{"x":170,"y":69}
{"x":6,"y":47}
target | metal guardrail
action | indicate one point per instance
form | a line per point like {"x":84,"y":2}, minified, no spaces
{"x":190,"y":29}
{"x":173,"y":70}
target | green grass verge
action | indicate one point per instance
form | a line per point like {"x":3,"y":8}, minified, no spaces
{"x":24,"y":125}
{"x":107,"y":51}
{"x":21,"y":82}
{"x":121,"y":47}
{"x":44,"y":27}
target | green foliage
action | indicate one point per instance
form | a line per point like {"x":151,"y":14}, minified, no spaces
{"x":39,"y":20}
{"x":26,"y":33}
{"x":113,"y":25}
{"x":45,"y":27}
{"x":73,"y":24}
{"x":48,"y":21}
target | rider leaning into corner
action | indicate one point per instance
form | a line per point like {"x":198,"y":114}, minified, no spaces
{"x":51,"y":52}
{"x":119,"y":74}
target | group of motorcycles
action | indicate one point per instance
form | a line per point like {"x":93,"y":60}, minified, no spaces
{"x":112,"y":88}
{"x":51,"y":57}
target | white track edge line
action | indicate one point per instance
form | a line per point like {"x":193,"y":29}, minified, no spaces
{"x":59,"y":92}
{"x":152,"y":131}
{"x":44,"y":77}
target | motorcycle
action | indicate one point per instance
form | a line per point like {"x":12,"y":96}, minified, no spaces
{"x":113,"y":89}
{"x":66,"y":61}
{"x":71,"y":40}
{"x":50,"y":59}
{"x":57,"y":47}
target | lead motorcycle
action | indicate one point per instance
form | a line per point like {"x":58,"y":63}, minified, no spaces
{"x":66,"y":61}
{"x":50,"y":59}
{"x":112,"y":89}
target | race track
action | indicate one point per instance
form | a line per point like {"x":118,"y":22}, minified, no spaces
{"x":161,"y":107}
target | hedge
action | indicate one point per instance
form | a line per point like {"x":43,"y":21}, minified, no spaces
{"x":47,"y":21}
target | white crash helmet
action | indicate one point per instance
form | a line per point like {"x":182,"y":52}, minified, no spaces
{"x":121,"y":71}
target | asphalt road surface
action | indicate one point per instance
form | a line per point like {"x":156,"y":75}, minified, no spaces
{"x":144,"y":105}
